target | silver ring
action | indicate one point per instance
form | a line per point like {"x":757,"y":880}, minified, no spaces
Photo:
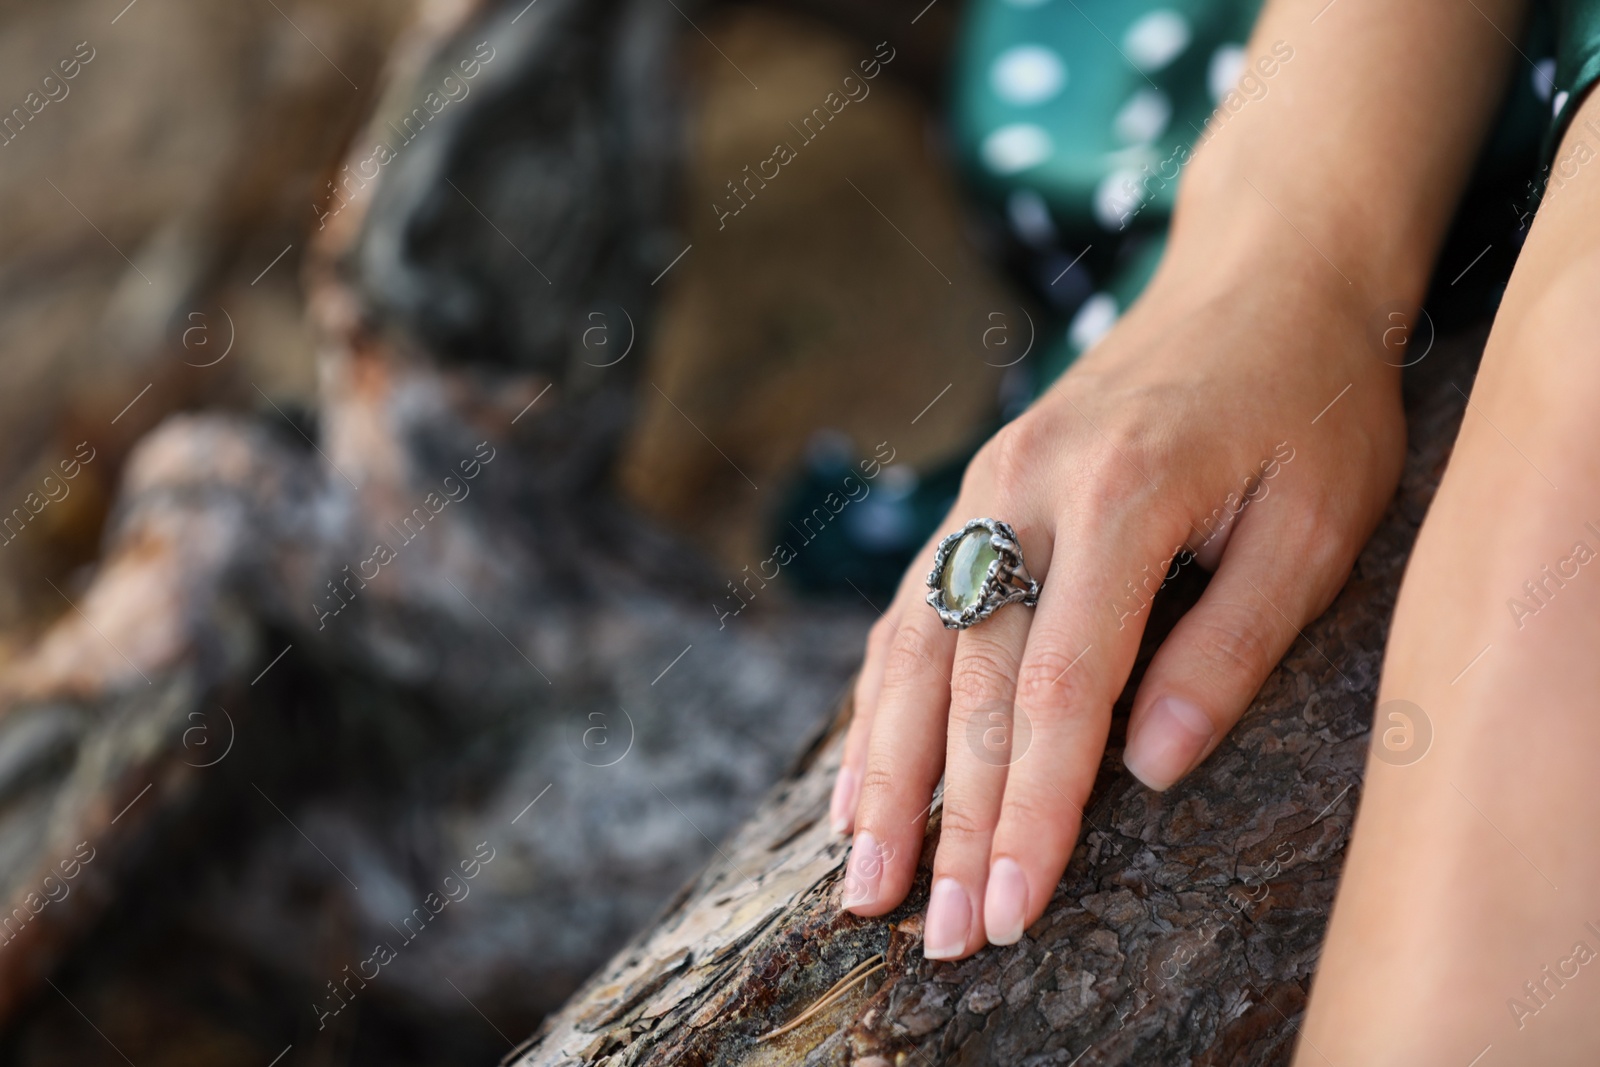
{"x":955,"y":589}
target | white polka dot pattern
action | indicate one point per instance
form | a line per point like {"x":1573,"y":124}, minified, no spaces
{"x":1030,"y":218}
{"x":1156,"y":39}
{"x":1016,"y":147}
{"x":1027,"y":74}
{"x":1093,"y":321}
{"x":1117,"y":197}
{"x":1143,"y":118}
{"x":1544,"y":79}
{"x":1227,"y":63}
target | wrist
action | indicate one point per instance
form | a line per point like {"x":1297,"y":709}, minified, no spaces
{"x":1319,"y":254}
{"x":1243,"y":214}
{"x":1294,"y":312}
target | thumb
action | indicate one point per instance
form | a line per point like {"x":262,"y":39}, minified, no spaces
{"x":1213,"y":663}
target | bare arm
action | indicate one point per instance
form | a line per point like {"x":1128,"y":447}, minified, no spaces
{"x":1467,"y":917}
{"x":1356,"y":155}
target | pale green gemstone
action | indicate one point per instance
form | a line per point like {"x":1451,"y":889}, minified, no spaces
{"x":965,"y":570}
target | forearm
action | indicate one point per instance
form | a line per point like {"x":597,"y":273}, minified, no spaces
{"x":1493,"y":640}
{"x":1350,"y":161}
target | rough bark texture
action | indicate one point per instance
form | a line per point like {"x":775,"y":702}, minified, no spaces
{"x":1186,"y":930}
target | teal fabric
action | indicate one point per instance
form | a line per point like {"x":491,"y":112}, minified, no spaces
{"x":1577,"y":66}
{"x":1075,"y":99}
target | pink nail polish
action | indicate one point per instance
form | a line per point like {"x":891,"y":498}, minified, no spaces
{"x":1168,"y":742}
{"x":1005,"y":902}
{"x":862,"y":874}
{"x":846,"y":788}
{"x":949,"y":923}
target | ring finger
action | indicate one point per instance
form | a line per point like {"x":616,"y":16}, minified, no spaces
{"x":980,"y":746}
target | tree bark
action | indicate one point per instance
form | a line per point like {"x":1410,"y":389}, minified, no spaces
{"x":1186,"y":929}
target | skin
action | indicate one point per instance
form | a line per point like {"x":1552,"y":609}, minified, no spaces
{"x":1306,"y":215}
{"x":1473,"y":868}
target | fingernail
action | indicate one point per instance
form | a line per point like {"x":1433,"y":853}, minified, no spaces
{"x":845,"y":789}
{"x":1168,"y":742}
{"x":861,"y":876}
{"x":949,"y":921}
{"x":1005,"y":902}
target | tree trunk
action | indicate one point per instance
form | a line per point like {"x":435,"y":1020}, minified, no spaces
{"x":1186,"y":929}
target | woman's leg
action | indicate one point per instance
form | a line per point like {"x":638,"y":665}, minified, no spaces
{"x":1468,"y":921}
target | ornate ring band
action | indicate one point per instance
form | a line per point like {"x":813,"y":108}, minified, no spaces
{"x":977,"y":571}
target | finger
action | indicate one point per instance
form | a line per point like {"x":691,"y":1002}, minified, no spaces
{"x":1209,"y":537}
{"x":1080,"y":649}
{"x":847,"y":784}
{"x":978,"y":748}
{"x":1273,"y":580}
{"x":905,"y":756}
{"x":869,"y":684}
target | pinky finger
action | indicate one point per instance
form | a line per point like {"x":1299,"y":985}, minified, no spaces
{"x":847,"y":786}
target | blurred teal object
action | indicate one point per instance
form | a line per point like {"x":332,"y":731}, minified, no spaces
{"x":864,"y":550}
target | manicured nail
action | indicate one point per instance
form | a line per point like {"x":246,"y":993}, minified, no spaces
{"x":846,"y":788}
{"x":1168,"y":742}
{"x":861,"y":876}
{"x":949,"y":922}
{"x":1005,"y":902}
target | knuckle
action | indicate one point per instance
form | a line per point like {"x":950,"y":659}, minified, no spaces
{"x":981,"y":676}
{"x":1037,"y":684}
{"x":910,"y":656}
{"x":879,"y":636}
{"x":1051,"y":678}
{"x":1038,"y":818}
{"x":1237,"y":644}
{"x":958,"y":824}
{"x":1126,"y":466}
{"x":1132,"y":439}
{"x":1013,"y":458}
{"x":1325,"y":555}
{"x":1116,"y":477}
{"x":1014,"y":453}
{"x":878,"y":784}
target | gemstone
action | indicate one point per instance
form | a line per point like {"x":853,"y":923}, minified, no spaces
{"x":965,"y":570}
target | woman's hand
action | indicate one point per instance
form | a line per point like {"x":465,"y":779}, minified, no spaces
{"x":1244,"y":372}
{"x":1251,"y":428}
